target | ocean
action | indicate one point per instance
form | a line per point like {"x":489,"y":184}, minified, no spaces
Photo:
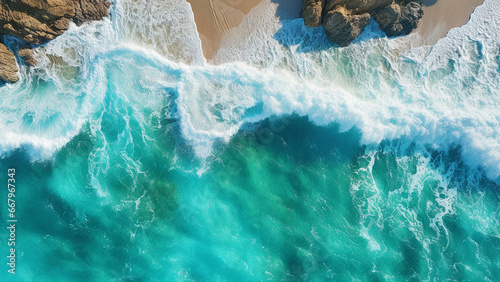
{"x":285,"y":159}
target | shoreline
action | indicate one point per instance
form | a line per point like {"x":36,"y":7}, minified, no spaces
{"x":214,"y":18}
{"x":440,"y":16}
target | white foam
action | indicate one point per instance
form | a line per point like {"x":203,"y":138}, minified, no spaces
{"x":166,"y":27}
{"x":53,"y":100}
{"x":448,"y":94}
{"x":444,"y":95}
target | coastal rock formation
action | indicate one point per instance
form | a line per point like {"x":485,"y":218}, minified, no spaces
{"x":395,"y":20}
{"x":312,"y":12}
{"x":363,"y":6}
{"x":36,"y":22}
{"x":344,"y":20}
{"x":8,"y":65}
{"x":90,"y":10}
{"x":388,"y":18}
{"x":342,"y":27}
{"x":411,"y":14}
{"x":28,"y":56}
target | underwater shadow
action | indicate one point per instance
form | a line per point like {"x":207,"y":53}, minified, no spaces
{"x":288,"y":9}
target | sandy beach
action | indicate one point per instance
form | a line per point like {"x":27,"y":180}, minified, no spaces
{"x":215,"y":17}
{"x":442,"y":15}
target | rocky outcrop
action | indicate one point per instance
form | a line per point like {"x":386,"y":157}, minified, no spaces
{"x":8,"y":65}
{"x":342,"y":27}
{"x":27,"y":55}
{"x":363,"y":6}
{"x":395,"y":20}
{"x":90,"y":10}
{"x":344,"y":20}
{"x":410,"y":16}
{"x":36,"y":22}
{"x":312,"y":12}
{"x":388,"y":17}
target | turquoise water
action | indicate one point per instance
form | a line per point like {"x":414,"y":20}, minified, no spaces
{"x":278,"y":207}
{"x":366,"y":163}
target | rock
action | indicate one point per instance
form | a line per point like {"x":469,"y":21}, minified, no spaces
{"x":38,"y":21}
{"x":342,"y":27}
{"x":389,"y":20}
{"x":33,"y":21}
{"x":91,"y":10}
{"x":332,"y":4}
{"x":8,"y":65}
{"x":312,"y":12}
{"x":45,"y":10}
{"x":363,"y":6}
{"x":344,"y":20}
{"x":28,"y":56}
{"x":410,"y":16}
{"x":395,"y":20}
{"x":358,"y":6}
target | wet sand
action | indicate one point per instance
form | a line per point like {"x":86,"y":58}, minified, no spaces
{"x":215,"y":17}
{"x":442,"y":15}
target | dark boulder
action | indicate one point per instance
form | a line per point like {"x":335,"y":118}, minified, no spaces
{"x":410,"y":16}
{"x":342,"y":27}
{"x":344,"y":20}
{"x":312,"y":12}
{"x":395,"y":20}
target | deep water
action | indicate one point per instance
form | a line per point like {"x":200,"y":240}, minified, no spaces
{"x":283,"y":200}
{"x":284,"y":159}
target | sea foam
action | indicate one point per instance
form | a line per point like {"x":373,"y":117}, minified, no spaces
{"x":444,"y":95}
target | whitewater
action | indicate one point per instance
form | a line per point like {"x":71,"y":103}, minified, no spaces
{"x":444,"y":95}
{"x":384,"y":133}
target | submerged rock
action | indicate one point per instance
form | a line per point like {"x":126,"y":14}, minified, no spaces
{"x":342,"y":27}
{"x":8,"y":65}
{"x":39,"y":21}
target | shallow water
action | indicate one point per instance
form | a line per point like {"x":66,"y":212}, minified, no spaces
{"x":301,"y":161}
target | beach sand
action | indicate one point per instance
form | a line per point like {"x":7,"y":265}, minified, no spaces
{"x":442,"y":15}
{"x":215,"y":17}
